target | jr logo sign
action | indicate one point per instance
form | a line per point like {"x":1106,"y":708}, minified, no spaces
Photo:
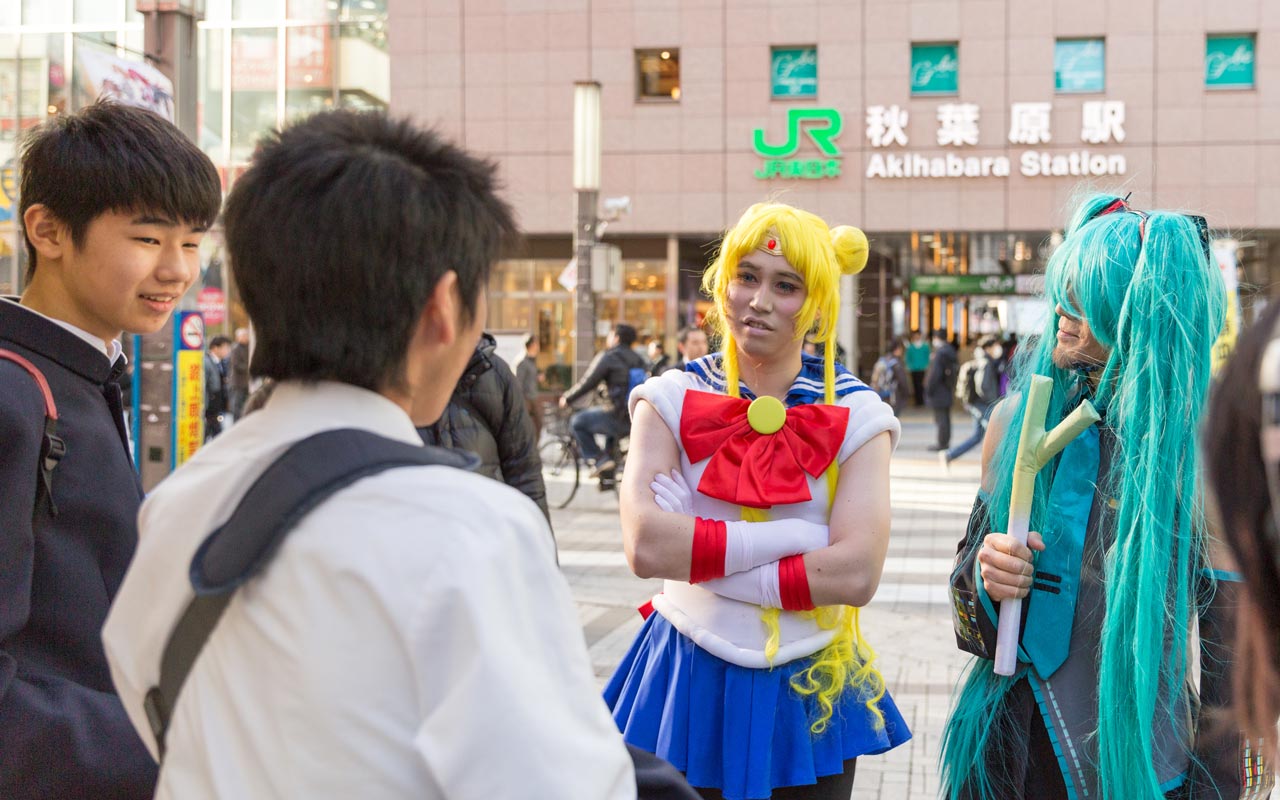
{"x":822,"y":125}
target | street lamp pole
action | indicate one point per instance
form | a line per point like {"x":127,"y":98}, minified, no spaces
{"x":586,"y":183}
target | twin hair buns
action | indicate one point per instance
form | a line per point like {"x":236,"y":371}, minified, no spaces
{"x":851,"y":248}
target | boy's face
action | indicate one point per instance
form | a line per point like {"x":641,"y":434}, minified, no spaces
{"x":129,"y":275}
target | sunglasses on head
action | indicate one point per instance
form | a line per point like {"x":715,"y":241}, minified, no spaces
{"x":1201,"y":224}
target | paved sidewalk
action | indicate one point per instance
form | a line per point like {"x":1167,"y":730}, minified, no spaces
{"x":908,"y":622}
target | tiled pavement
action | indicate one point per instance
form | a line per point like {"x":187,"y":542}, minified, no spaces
{"x":908,"y":623}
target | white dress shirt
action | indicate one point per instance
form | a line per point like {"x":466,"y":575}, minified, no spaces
{"x":412,"y":637}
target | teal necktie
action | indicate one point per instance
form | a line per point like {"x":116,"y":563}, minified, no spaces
{"x":1051,"y":609}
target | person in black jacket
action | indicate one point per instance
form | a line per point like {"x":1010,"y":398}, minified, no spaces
{"x":612,"y":370}
{"x":940,"y":387}
{"x":215,"y":385}
{"x":114,"y":204}
{"x":487,"y":416}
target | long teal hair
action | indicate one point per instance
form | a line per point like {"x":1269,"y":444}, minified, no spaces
{"x":1150,"y":294}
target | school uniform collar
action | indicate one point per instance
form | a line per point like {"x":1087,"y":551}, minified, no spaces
{"x":808,"y":386}
{"x":79,"y":351}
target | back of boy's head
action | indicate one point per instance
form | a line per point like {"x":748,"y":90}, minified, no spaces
{"x":339,"y":232}
{"x":113,"y":157}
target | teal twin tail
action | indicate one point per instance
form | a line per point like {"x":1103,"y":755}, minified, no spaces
{"x":1158,"y":304}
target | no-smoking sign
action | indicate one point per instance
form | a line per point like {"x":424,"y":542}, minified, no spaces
{"x":192,"y":332}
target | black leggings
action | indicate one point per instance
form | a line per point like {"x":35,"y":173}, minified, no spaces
{"x":832,"y":787}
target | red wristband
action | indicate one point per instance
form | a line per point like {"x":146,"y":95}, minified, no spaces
{"x":710,"y":538}
{"x":793,"y":584}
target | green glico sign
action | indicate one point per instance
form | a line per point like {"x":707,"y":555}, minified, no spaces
{"x":821,"y":126}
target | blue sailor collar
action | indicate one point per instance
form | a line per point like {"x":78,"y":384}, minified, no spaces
{"x":805,"y":389}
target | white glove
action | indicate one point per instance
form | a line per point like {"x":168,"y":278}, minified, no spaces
{"x":672,"y":493}
{"x":758,"y":586}
{"x":750,"y":544}
{"x":747,"y":544}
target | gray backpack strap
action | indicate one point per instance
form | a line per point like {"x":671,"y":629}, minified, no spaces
{"x":306,"y":475}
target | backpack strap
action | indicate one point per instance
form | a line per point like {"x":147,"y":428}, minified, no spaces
{"x":307,"y":474}
{"x":52,"y":448}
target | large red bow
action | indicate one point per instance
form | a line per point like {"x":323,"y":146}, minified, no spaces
{"x":753,"y":469}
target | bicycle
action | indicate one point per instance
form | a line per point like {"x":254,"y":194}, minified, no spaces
{"x":562,"y":462}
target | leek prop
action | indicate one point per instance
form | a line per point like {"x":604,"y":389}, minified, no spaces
{"x":1036,"y":448}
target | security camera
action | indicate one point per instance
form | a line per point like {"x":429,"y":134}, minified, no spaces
{"x":615,"y":207}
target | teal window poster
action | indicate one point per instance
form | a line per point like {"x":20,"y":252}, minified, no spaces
{"x":935,"y":69}
{"x":1228,"y":62}
{"x":794,"y":71}
{"x":1079,"y":65}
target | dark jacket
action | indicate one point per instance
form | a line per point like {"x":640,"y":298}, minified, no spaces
{"x":487,"y":416}
{"x":940,"y":377}
{"x":215,"y":387}
{"x":612,"y":369}
{"x":63,"y":730}
{"x":238,"y":368}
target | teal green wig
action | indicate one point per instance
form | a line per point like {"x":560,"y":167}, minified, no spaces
{"x":1148,"y":292}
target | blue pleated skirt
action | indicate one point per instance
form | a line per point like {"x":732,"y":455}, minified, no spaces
{"x":740,"y":730}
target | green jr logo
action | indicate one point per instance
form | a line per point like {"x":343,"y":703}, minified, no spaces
{"x":822,"y":125}
{"x":821,"y":136}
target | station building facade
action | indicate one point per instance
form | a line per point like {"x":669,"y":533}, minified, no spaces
{"x":954,"y":133}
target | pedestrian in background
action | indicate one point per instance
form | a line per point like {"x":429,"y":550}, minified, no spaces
{"x":527,"y":380}
{"x":114,"y":204}
{"x":1116,"y":693}
{"x":215,"y":385}
{"x":1241,"y":441}
{"x":692,"y":345}
{"x":486,"y":415}
{"x":238,"y":374}
{"x":659,"y":361}
{"x":978,"y":388}
{"x":940,"y":387}
{"x":917,"y":359}
{"x":889,"y":378}
{"x":611,"y":375}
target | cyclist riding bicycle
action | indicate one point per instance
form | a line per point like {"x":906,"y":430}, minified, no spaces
{"x":612,"y":372}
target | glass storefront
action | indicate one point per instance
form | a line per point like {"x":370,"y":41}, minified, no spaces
{"x":261,"y":63}
{"x":525,"y":296}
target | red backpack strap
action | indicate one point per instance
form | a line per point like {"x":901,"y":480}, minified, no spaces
{"x":50,"y":407}
{"x":52,"y":448}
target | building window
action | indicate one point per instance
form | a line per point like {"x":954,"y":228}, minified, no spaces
{"x":935,"y":69}
{"x":1079,"y":65}
{"x":658,"y":74}
{"x":1228,"y":61}
{"x":794,"y":72}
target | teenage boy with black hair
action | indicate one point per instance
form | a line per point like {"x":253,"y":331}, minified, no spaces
{"x":412,"y":637}
{"x":114,"y":203}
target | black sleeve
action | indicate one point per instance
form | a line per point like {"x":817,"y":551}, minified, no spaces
{"x":1227,"y":765}
{"x":658,"y":780}
{"x":597,"y":372}
{"x":973,"y":615}
{"x":517,"y":450}
{"x":57,"y":738}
